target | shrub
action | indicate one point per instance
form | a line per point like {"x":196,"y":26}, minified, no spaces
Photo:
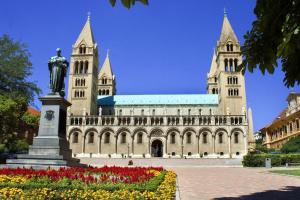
{"x":258,"y":160}
{"x":291,"y":146}
{"x":2,"y":148}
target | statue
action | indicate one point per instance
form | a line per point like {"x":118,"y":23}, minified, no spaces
{"x":58,"y":66}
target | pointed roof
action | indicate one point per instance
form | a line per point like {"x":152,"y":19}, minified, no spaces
{"x":227,"y":31}
{"x":106,"y":68}
{"x":86,"y":34}
{"x":213,"y":66}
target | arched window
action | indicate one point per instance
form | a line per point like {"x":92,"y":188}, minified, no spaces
{"x":220,"y":138}
{"x":120,"y":112}
{"x":123,"y":138}
{"x":231,"y":47}
{"x":204,"y":138}
{"x":216,"y":79}
{"x":153,"y":112}
{"x":76,"y":67}
{"x":236,"y":138}
{"x":142,"y":112}
{"x":227,"y":47}
{"x":189,"y":138}
{"x":140,"y":138}
{"x":107,"y":138}
{"x":200,"y":112}
{"x":99,"y":92}
{"x":231,"y":65}
{"x":86,"y":67}
{"x":81,"y":67}
{"x":235,"y":64}
{"x":107,"y":92}
{"x":82,"y":49}
{"x":189,"y":111}
{"x":226,"y":65}
{"x":178,"y":111}
{"x":173,"y":138}
{"x":217,"y":91}
{"x":213,"y":91}
{"x":75,"y":137}
{"x":91,"y":137}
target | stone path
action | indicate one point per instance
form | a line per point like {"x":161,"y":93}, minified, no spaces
{"x":235,"y":183}
{"x":220,"y":179}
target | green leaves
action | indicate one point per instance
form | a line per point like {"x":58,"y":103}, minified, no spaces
{"x":15,"y":68}
{"x":128,"y":3}
{"x":274,"y":38}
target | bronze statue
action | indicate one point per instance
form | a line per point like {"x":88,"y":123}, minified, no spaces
{"x":58,"y":66}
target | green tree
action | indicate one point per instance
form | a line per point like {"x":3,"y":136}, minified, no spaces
{"x":16,"y":92}
{"x":128,"y":3}
{"x":274,"y":37}
{"x":291,"y":146}
{"x":15,"y":68}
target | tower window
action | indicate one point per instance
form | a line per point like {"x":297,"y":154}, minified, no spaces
{"x":86,"y":67}
{"x":76,"y":67}
{"x":120,"y":112}
{"x":142,"y":112}
{"x":81,"y":67}
{"x":189,"y":112}
{"x":235,"y":64}
{"x":231,"y":65}
{"x":226,"y":65}
{"x":153,"y":112}
{"x":216,"y":79}
{"x":82,"y":49}
{"x":107,"y":92}
{"x":178,"y":112}
{"x":213,"y":91}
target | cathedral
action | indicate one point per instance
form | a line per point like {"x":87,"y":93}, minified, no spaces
{"x":101,"y":123}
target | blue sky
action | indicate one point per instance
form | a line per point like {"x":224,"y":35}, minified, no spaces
{"x":165,"y":47}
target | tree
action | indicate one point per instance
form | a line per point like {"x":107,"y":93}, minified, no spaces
{"x":274,"y":37}
{"x":291,"y":146}
{"x":15,"y":68}
{"x":16,"y":92}
{"x":128,"y":3}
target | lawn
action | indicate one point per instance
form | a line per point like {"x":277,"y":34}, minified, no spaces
{"x":293,"y":172}
{"x":88,"y":183}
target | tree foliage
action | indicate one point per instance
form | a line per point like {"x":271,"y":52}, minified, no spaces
{"x":16,"y":92}
{"x":274,"y":37}
{"x":15,"y":68}
{"x":292,"y":146}
{"x":129,"y":3}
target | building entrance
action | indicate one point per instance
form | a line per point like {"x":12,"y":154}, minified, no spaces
{"x":157,"y":148}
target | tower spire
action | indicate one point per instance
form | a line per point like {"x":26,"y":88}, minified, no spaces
{"x":86,"y":34}
{"x":227,"y":31}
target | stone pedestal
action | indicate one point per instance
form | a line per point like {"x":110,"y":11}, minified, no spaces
{"x":50,"y":147}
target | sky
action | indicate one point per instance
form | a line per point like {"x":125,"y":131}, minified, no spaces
{"x":163,"y":48}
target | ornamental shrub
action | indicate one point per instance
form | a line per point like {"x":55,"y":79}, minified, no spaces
{"x":258,"y":160}
{"x":291,"y":146}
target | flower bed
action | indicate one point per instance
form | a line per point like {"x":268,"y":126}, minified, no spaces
{"x":88,"y":183}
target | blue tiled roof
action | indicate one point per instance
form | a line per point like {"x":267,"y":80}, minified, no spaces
{"x":159,"y":99}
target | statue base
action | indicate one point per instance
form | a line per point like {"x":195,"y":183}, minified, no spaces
{"x":50,"y":148}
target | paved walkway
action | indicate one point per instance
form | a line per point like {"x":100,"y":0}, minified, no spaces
{"x":235,"y":183}
{"x":220,"y":179}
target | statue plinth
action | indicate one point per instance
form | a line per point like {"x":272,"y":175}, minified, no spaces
{"x":50,"y":147}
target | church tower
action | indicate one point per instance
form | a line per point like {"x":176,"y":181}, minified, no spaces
{"x":223,"y":78}
{"x":82,"y":91}
{"x":106,"y":79}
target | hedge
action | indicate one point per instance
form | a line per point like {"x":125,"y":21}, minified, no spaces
{"x":258,"y":160}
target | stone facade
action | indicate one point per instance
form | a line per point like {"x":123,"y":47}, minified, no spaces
{"x":285,"y":126}
{"x":103,"y":124}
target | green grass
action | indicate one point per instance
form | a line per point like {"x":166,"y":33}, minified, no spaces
{"x":293,"y":172}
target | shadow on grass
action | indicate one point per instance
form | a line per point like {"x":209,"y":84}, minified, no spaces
{"x":286,"y":193}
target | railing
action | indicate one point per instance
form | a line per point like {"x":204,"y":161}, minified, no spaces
{"x":157,"y":120}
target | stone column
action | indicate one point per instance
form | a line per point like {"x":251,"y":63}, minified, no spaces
{"x":166,"y":142}
{"x":83,"y":144}
{"x":229,"y":145}
{"x":214,"y":144}
{"x":149,"y":145}
{"x":99,"y":145}
{"x":116,"y":144}
{"x":132,"y":145}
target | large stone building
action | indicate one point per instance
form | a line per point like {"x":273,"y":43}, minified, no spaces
{"x":285,"y":126}
{"x":104,"y":124}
